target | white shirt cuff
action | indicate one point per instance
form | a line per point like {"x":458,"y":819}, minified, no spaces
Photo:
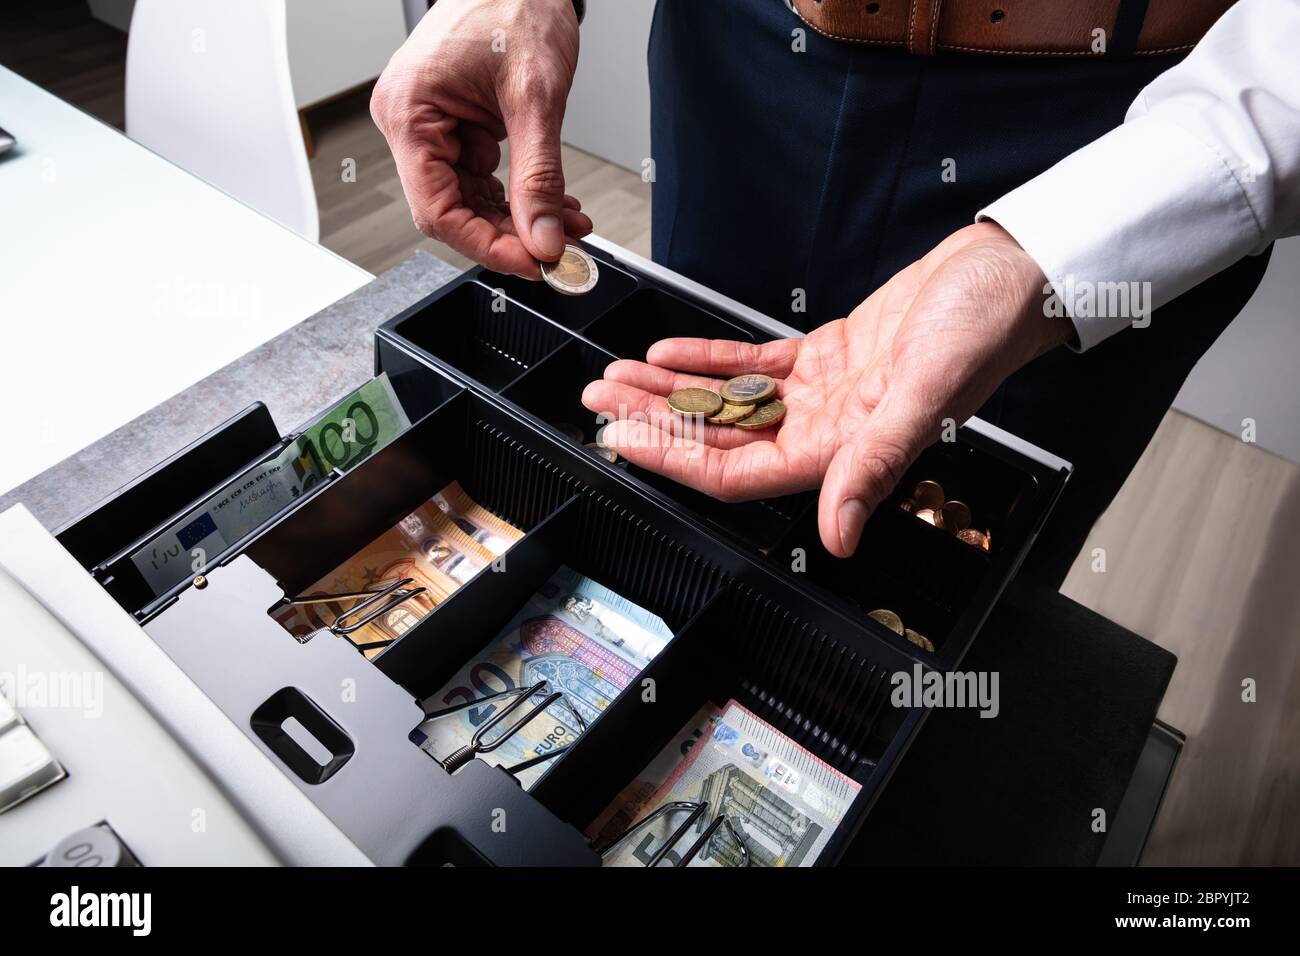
{"x":1130,"y":222}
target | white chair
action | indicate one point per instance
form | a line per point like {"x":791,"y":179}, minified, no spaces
{"x":208,"y":87}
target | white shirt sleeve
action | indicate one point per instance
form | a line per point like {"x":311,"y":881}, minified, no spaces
{"x":1204,"y":170}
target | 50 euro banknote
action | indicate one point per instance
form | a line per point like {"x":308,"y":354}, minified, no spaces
{"x":781,"y":801}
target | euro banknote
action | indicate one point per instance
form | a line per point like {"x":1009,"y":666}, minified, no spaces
{"x":356,"y":427}
{"x":440,"y":546}
{"x":585,"y":640}
{"x":781,"y":801}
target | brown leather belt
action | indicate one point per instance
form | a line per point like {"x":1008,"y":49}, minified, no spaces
{"x":1018,"y":27}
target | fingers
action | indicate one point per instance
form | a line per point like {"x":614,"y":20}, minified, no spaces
{"x":618,"y":401}
{"x":755,"y":470}
{"x":447,"y":200}
{"x":537,"y":175}
{"x":725,"y":358}
{"x":866,"y":470}
{"x":652,"y":378}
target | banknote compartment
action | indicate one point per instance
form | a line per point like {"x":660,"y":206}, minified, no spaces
{"x":649,"y":315}
{"x":814,"y":677}
{"x":444,"y":447}
{"x":105,"y":538}
{"x":480,"y":333}
{"x":573,"y":312}
{"x":134,"y":513}
{"x":591,"y":535}
{"x":551,"y":392}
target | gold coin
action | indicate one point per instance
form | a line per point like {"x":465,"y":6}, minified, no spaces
{"x":765,"y":416}
{"x":731,"y":414}
{"x":920,"y":640}
{"x":574,"y":273}
{"x":889,"y":619}
{"x":928,"y":516}
{"x":604,"y":451}
{"x":748,"y":389}
{"x":974,"y":537}
{"x":928,"y":494}
{"x":954,"y":516}
{"x":695,"y":401}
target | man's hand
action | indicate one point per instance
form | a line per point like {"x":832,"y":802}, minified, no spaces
{"x":864,"y":395}
{"x":472,"y":73}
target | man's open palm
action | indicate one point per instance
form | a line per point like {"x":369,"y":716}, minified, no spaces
{"x":864,"y":395}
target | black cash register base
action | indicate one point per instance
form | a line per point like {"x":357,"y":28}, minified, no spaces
{"x":490,"y":370}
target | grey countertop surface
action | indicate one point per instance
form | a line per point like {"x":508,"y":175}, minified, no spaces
{"x":296,"y":374}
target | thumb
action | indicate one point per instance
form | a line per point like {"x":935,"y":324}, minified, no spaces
{"x":866,"y":470}
{"x":537,"y":179}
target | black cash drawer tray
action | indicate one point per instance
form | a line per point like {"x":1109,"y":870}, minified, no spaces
{"x":485,"y":367}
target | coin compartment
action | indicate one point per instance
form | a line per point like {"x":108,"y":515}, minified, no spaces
{"x":649,"y":315}
{"x":814,"y":677}
{"x":482,"y":333}
{"x":926,"y":577}
{"x":573,"y":312}
{"x":552,"y":390}
{"x":997,"y":491}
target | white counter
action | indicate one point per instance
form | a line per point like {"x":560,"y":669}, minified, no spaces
{"x":124,"y":279}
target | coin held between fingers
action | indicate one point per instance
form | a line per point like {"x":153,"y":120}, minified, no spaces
{"x":574,"y":273}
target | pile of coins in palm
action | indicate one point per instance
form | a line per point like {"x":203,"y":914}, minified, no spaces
{"x":930,"y":504}
{"x":895,"y":624}
{"x":745,"y":401}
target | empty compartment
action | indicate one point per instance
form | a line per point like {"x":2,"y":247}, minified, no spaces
{"x":816,"y":680}
{"x":759,"y":524}
{"x":552,"y":392}
{"x":571,"y":311}
{"x":510,"y":487}
{"x":629,"y":330}
{"x":481,"y":333}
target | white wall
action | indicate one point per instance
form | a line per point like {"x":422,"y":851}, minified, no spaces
{"x":1253,"y":371}
{"x":609,"y":108}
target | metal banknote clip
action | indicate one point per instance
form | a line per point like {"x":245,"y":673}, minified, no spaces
{"x":477,"y":744}
{"x":386,"y":598}
{"x":697,"y":809}
{"x":520,"y":694}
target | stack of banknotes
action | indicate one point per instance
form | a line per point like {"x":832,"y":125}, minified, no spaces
{"x":440,"y":546}
{"x":582,"y":638}
{"x":779,"y":799}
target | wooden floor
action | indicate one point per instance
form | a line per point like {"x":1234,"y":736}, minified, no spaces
{"x":1203,"y":557}
{"x":1202,"y":545}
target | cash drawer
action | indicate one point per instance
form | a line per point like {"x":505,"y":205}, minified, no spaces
{"x":488,"y":371}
